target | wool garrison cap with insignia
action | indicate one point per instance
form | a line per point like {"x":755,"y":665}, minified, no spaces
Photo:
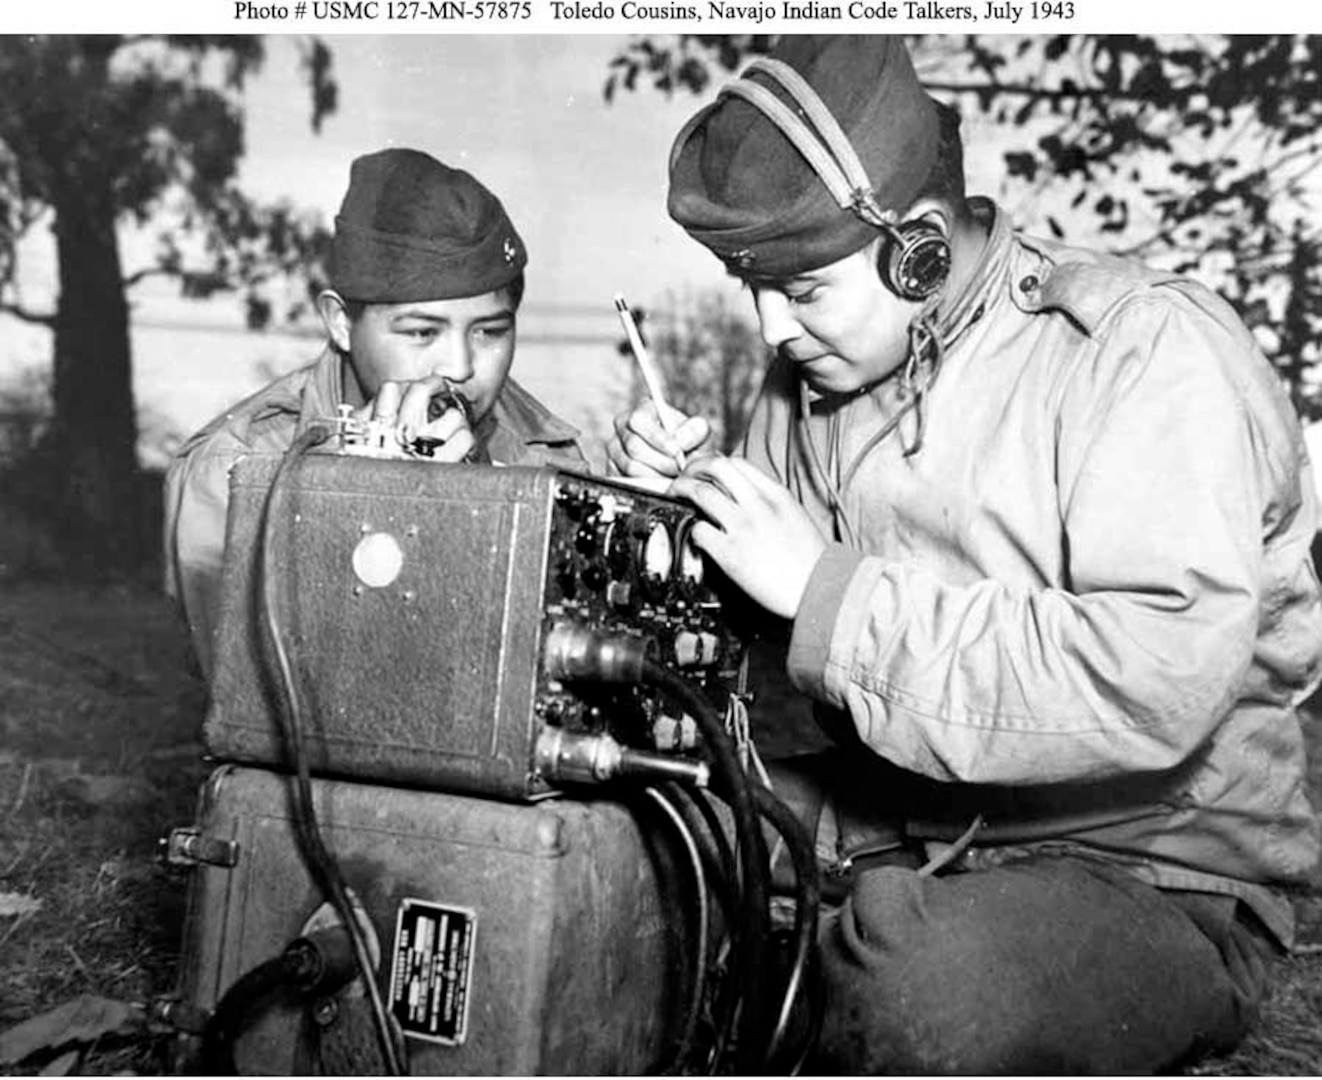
{"x":741,"y":188}
{"x":411,"y":228}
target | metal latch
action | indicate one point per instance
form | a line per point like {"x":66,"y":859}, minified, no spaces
{"x":180,"y":1015}
{"x":188,"y":847}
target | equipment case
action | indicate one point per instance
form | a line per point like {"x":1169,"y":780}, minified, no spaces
{"x":558,"y":946}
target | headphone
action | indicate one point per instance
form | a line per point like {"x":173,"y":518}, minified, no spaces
{"x":914,"y":260}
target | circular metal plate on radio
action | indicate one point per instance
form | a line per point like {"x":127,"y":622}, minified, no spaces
{"x":378,"y":559}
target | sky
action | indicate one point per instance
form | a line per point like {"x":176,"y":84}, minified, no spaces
{"x":583,"y":181}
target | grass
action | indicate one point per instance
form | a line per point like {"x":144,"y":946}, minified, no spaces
{"x":99,"y":757}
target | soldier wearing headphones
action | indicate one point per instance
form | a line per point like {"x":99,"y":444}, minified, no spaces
{"x":1038,"y":521}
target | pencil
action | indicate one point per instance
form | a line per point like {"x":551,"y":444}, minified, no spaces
{"x":651,"y":376}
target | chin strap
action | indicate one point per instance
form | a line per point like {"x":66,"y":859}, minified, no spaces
{"x":926,"y":352}
{"x":920,"y":371}
{"x":938,"y":324}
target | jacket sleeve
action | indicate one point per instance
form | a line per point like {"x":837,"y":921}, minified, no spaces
{"x":1128,"y":665}
{"x":196,"y":505}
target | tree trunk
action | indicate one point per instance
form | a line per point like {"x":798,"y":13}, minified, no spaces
{"x":93,"y":436}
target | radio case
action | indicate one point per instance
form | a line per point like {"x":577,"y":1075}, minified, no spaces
{"x":571,"y":939}
{"x":414,"y":600}
{"x":426,"y":680}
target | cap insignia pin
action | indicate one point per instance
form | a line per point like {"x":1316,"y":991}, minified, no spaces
{"x":740,"y":260}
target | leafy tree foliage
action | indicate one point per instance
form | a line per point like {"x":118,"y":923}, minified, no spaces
{"x":684,"y":62}
{"x":101,"y":131}
{"x":1200,"y":154}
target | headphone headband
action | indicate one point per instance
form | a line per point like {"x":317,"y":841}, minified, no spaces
{"x":821,"y":140}
{"x":918,"y":259}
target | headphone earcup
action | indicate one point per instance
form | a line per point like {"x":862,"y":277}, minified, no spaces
{"x":916,"y":261}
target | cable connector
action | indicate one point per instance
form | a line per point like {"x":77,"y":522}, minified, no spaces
{"x":322,"y":961}
{"x":568,"y":757}
{"x":578,"y":653}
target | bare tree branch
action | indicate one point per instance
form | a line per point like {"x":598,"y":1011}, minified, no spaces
{"x":138,"y":276}
{"x":1041,"y":93}
{"x":28,"y":316}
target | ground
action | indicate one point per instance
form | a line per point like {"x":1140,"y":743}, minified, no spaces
{"x":99,"y":757}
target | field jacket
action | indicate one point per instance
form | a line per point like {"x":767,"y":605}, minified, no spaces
{"x":521,"y":432}
{"x":1083,"y":605}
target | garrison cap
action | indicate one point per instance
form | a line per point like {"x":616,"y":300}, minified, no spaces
{"x":411,"y":228}
{"x":739,"y":186}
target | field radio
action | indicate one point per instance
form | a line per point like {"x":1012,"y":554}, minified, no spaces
{"x":436,"y":617}
{"x":411,"y":659}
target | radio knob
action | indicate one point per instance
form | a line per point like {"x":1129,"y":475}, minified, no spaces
{"x":693,"y":648}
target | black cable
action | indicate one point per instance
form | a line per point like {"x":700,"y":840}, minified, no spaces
{"x":319,"y":859}
{"x":315,"y":964}
{"x":697,"y":991}
{"x":808,"y":895}
{"x":720,"y":862}
{"x":736,"y":790}
{"x":798,"y":985}
{"x":231,"y":1011}
{"x":716,"y":862}
{"x":816,"y":992}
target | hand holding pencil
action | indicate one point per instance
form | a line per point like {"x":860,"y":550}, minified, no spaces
{"x":651,"y":441}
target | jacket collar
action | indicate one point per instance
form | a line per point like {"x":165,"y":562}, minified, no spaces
{"x":959,"y":312}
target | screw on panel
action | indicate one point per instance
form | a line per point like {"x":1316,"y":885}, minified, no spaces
{"x":325,"y":1011}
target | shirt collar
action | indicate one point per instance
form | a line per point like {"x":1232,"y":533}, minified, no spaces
{"x":521,"y":416}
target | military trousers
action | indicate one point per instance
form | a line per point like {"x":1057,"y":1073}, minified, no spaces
{"x":1041,"y":964}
